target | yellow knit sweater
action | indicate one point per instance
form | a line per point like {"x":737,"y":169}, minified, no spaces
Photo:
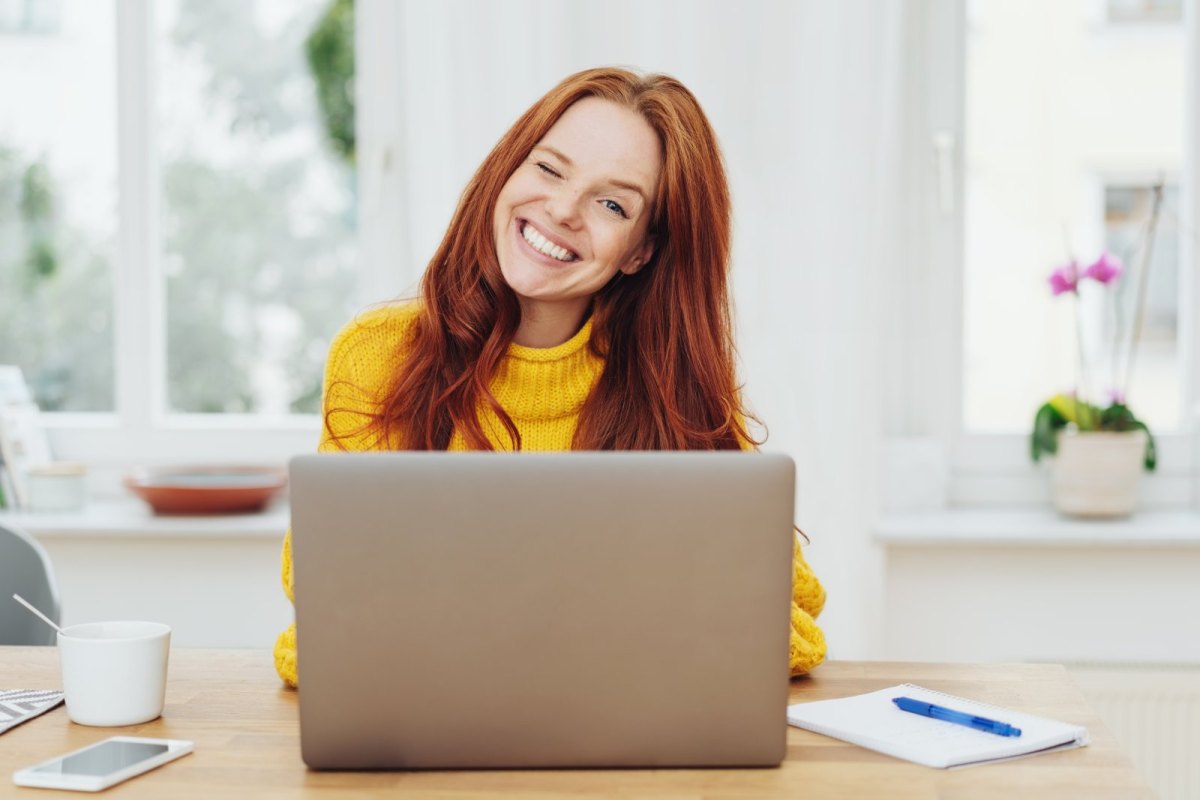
{"x":542,"y":390}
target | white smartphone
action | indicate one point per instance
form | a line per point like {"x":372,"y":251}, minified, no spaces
{"x":103,"y":764}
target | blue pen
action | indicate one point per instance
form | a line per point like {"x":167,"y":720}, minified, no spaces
{"x":957,"y":717}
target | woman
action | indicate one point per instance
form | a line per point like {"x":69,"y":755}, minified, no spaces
{"x":579,"y":300}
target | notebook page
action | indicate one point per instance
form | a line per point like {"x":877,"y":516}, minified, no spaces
{"x":873,"y":721}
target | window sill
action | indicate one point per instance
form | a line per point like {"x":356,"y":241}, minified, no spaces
{"x":132,"y":519}
{"x":1037,"y":528}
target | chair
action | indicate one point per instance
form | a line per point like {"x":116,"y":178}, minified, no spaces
{"x":25,"y":570}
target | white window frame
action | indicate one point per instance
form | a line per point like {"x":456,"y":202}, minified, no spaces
{"x":929,"y":462}
{"x":141,"y":431}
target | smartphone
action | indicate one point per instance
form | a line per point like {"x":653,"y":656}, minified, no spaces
{"x":103,"y":764}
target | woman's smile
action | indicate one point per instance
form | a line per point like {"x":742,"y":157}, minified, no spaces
{"x":538,"y":243}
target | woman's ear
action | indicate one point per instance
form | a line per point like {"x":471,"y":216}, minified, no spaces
{"x":639,"y":258}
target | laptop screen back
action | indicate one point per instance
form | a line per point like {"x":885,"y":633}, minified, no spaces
{"x":542,"y":610}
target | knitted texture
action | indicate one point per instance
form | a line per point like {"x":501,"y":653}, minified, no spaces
{"x":542,"y":389}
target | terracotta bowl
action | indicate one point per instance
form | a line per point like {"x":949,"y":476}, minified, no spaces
{"x":206,"y":489}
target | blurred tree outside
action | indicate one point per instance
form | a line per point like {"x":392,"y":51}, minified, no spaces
{"x":330,"y":49}
{"x":55,"y":292}
{"x":259,"y":212}
{"x":258,"y":220}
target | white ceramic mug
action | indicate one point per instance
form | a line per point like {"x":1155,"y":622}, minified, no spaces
{"x":114,"y":673}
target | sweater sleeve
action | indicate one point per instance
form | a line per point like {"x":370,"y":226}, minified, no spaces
{"x":807,"y":647}
{"x":807,"y":642}
{"x":285,"y":643}
{"x":361,"y":341}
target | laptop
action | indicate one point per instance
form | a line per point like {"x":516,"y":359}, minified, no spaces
{"x":542,"y":610}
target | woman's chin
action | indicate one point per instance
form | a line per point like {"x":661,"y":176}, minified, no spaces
{"x":529,"y":281}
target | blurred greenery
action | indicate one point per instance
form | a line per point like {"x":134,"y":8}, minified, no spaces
{"x":55,"y":292}
{"x":258,"y":223}
{"x":259,"y":253}
{"x":37,"y":211}
{"x":330,"y":49}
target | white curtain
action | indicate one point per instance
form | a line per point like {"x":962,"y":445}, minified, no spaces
{"x":805,"y":97}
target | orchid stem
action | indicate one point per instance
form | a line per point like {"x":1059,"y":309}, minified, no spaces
{"x":1081,"y":388}
{"x":1081,"y":376}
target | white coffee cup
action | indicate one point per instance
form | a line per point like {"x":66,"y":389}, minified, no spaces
{"x":114,"y":673}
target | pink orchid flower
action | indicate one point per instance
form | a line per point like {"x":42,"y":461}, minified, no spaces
{"x":1065,"y":278}
{"x":1105,"y":270}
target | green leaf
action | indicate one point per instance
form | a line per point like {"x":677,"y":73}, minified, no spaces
{"x":1117,"y":417}
{"x":1150,"y":461}
{"x":1085,"y":415}
{"x":1046,"y":425}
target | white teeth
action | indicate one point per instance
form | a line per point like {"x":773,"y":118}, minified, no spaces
{"x":542,"y":245}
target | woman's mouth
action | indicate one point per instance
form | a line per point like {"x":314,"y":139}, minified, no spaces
{"x":542,"y":246}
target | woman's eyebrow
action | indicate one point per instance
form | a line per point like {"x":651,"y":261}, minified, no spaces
{"x":561,"y":156}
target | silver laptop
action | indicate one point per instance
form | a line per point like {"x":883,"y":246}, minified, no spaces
{"x":485,"y":610}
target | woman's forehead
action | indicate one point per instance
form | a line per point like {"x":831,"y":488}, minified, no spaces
{"x":608,"y":140}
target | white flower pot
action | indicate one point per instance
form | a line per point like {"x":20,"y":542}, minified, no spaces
{"x":1097,"y":473}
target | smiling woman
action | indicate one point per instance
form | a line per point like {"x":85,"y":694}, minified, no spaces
{"x":578,"y":301}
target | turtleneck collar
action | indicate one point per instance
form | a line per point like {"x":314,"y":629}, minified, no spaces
{"x":543,"y":383}
{"x":544,"y":354}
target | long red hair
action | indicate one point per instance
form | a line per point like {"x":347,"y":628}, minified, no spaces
{"x":665,"y":332}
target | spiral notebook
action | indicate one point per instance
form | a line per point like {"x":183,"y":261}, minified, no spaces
{"x":873,"y":721}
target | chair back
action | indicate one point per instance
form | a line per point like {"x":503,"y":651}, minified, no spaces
{"x":25,"y":569}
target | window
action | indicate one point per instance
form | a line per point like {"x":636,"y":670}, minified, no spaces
{"x":1041,"y":134}
{"x":58,"y":199}
{"x":1052,"y":108}
{"x":179,"y":219}
{"x":258,"y":209}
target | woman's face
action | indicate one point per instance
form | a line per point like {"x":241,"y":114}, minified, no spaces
{"x":576,"y":211}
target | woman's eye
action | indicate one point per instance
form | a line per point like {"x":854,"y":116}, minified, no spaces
{"x":547,"y":169}
{"x":614,"y":206}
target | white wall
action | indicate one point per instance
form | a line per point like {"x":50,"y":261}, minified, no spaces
{"x":212,"y":591}
{"x":1114,"y":604}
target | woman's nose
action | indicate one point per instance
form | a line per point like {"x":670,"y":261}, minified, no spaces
{"x":564,"y":207}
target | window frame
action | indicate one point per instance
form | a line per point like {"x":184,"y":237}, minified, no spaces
{"x":140,"y":430}
{"x":926,"y":450}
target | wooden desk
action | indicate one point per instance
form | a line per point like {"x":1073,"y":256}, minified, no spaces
{"x":244,"y":724}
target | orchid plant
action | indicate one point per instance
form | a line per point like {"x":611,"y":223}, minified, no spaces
{"x":1071,"y":409}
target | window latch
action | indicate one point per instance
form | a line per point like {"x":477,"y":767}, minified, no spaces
{"x":943,"y":162}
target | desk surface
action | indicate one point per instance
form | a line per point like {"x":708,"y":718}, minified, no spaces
{"x":245,"y":727}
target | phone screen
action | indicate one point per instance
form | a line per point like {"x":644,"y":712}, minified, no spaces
{"x":103,"y":759}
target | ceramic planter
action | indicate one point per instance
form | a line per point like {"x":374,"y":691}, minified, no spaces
{"x":1097,"y":473}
